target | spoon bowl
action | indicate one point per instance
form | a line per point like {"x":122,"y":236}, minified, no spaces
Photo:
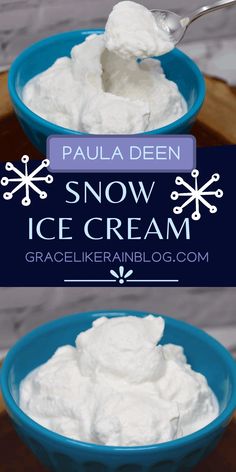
{"x":174,"y":26}
{"x":171,"y":24}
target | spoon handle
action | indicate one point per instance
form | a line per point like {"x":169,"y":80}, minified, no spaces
{"x":209,"y":8}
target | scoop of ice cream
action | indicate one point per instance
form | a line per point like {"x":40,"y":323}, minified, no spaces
{"x":134,"y":419}
{"x":188,"y":389}
{"x":124,"y":347}
{"x":131,"y":31}
{"x":86,"y":62}
{"x":115,"y":114}
{"x":47,"y":386}
{"x":56,"y":395}
{"x":47,"y":95}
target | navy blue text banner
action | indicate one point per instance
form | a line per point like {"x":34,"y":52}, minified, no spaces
{"x":132,"y":229}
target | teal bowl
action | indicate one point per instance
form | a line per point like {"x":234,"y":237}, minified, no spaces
{"x":41,"y":55}
{"x":61,"y":454}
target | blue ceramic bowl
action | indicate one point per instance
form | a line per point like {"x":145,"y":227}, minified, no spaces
{"x":41,"y":55}
{"x":66,"y":455}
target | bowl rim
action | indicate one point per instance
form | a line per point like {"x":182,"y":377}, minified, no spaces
{"x":46,"y":434}
{"x":56,"y":129}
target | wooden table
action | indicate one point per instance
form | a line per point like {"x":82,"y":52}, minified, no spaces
{"x":216,"y":124}
{"x":16,"y":456}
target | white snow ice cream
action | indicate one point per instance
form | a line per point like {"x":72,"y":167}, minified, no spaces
{"x":118,"y":386}
{"x":102,"y":88}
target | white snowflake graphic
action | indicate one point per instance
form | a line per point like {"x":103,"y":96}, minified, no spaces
{"x":196,"y":194}
{"x":26,"y":180}
{"x":121,"y":276}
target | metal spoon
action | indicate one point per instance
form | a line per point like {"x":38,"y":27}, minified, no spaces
{"x":175,"y":26}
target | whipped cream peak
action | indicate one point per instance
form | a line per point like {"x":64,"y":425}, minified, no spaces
{"x":130,"y":349}
{"x":119,"y":386}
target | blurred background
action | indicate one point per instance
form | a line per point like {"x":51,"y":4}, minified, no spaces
{"x":213,"y":309}
{"x":25,"y":21}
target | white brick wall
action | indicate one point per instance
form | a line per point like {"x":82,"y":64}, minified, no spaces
{"x":25,"y":21}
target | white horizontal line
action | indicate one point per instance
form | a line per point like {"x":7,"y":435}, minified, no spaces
{"x":89,"y":280}
{"x":114,"y":280}
{"x":152,"y":280}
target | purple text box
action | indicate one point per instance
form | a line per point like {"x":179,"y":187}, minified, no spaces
{"x":113,"y":153}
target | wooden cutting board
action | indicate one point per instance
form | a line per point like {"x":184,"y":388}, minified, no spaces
{"x":216,"y":124}
{"x":16,"y":456}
